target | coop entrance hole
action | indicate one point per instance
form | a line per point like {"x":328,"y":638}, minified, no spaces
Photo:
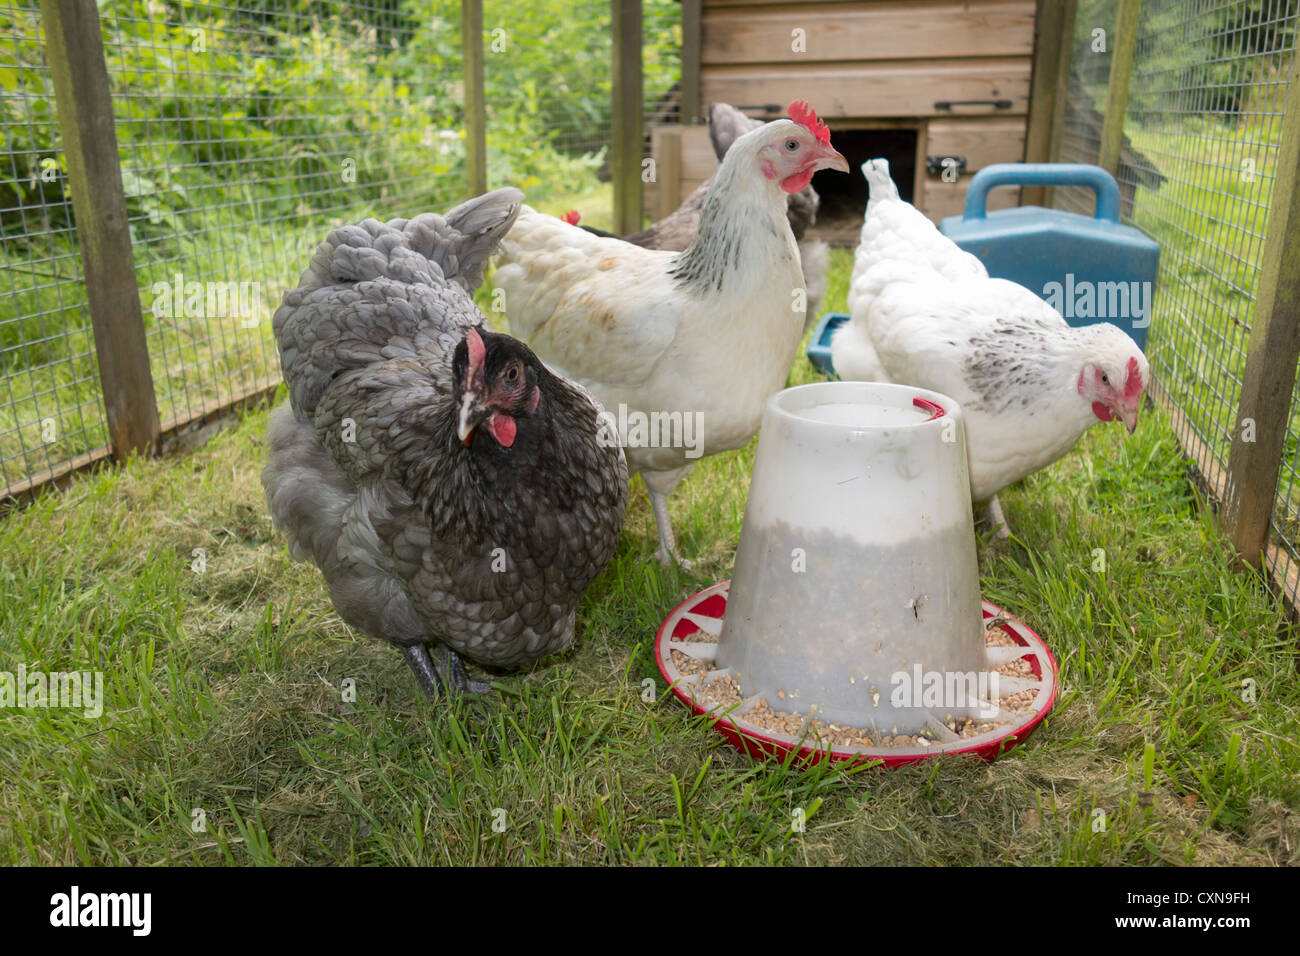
{"x":844,"y":197}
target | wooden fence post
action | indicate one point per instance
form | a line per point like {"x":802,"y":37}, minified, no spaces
{"x":75,"y":53}
{"x":691,"y":47}
{"x":1270,"y":373}
{"x":1051,"y":78}
{"x":668,"y":175}
{"x":471,"y":39}
{"x":625,"y":152}
{"x":1123,"y":43}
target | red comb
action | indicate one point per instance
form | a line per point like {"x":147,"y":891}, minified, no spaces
{"x":1132,"y":379}
{"x":802,"y":113}
{"x":477,"y":350}
{"x":571,"y":217}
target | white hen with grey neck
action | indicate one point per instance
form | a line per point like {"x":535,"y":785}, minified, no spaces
{"x":711,"y":330}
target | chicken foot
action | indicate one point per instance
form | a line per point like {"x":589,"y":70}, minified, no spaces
{"x":431,"y":678}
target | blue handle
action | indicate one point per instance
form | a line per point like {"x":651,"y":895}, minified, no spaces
{"x":1043,"y":174}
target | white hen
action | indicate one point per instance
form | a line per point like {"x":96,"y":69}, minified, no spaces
{"x":892,"y":229}
{"x":670,"y":338}
{"x":1029,"y":384}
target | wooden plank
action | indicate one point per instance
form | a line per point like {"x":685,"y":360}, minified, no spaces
{"x":625,"y":150}
{"x":920,"y":173}
{"x":698,"y":159}
{"x":75,"y":53}
{"x":1213,"y":479}
{"x":471,"y":38}
{"x":1050,"y":43}
{"x":25,"y":491}
{"x":802,"y":33}
{"x":691,"y":104}
{"x":261,"y":391}
{"x":1123,"y":42}
{"x":1268,"y":380}
{"x":940,"y":199}
{"x":695,"y":158}
{"x":668,"y":169}
{"x":982,"y":141}
{"x":897,"y":88}
{"x":1284,"y":574}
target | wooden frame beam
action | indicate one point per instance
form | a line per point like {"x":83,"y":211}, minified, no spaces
{"x":690,"y":110}
{"x":1268,"y":380}
{"x":626,"y":148}
{"x":1053,"y":30}
{"x":1123,"y":44}
{"x":471,"y":38}
{"x":75,"y":53}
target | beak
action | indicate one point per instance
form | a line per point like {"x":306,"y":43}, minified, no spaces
{"x":1129,"y":416}
{"x":831,"y":159}
{"x":471,"y":414}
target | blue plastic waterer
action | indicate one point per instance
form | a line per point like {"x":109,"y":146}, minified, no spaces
{"x":1089,"y":269}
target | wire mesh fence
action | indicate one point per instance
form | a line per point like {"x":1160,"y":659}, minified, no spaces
{"x":1201,"y":134}
{"x":50,"y":407}
{"x":246,"y":130}
{"x":1085,"y":98}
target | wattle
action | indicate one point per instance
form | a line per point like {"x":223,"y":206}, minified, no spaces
{"x":503,"y":429}
{"x":1102,"y":412}
{"x":793,"y":184}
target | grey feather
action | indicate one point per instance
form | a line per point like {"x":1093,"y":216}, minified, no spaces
{"x":423,"y":540}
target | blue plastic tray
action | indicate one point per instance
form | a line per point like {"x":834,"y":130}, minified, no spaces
{"x":819,"y":348}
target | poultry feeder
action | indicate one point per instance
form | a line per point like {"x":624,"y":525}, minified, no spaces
{"x":853,"y":627}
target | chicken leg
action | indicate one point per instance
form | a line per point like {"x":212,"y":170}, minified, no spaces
{"x":431,"y":678}
{"x":997,"y":520}
{"x":666,"y":553}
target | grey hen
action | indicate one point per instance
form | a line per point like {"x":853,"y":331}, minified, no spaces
{"x":675,"y":231}
{"x":454,"y":492}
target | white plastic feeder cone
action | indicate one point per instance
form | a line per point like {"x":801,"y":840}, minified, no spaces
{"x":856,"y":585}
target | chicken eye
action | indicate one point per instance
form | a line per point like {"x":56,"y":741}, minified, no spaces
{"x":792,"y":144}
{"x":1105,"y":379}
{"x":512,"y":375}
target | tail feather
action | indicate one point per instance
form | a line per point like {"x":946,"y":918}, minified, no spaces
{"x":879,"y":183}
{"x":481,"y":223}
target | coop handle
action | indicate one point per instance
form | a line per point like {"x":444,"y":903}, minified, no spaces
{"x":947,"y":105}
{"x":1043,"y":174}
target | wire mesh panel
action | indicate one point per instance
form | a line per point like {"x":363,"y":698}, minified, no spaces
{"x":247,"y":130}
{"x":1205,"y":106}
{"x":51,"y":410}
{"x":1085,"y":98}
{"x":551,"y":138}
{"x":1196,"y":172}
{"x":547,"y":80}
{"x":661,"y":60}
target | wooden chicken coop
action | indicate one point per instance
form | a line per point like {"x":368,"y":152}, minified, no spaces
{"x":927,"y":84}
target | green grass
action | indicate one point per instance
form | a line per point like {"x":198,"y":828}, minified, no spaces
{"x":224,"y":695}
